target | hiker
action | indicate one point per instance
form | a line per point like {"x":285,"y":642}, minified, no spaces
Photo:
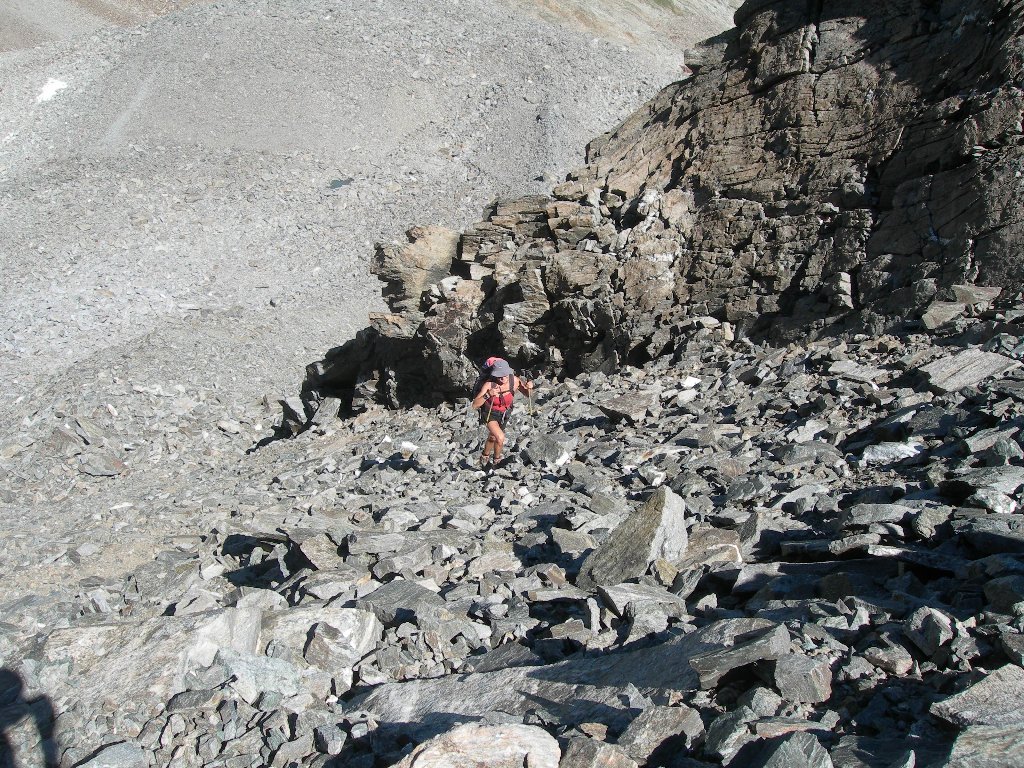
{"x":494,"y":402}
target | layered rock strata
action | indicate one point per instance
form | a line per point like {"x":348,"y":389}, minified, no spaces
{"x":829,"y":166}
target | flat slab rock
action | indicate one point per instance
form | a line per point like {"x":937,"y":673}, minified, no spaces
{"x":487,"y":746}
{"x":577,"y":690}
{"x":998,"y":701}
{"x":655,"y":530}
{"x":966,"y":369}
{"x":986,"y":747}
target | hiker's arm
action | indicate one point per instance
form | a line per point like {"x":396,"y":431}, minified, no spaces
{"x":526,"y":387}
{"x":481,"y":396}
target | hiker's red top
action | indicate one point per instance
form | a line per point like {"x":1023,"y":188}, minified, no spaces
{"x":502,"y":401}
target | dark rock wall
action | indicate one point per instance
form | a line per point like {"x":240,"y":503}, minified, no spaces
{"x":830,"y":166}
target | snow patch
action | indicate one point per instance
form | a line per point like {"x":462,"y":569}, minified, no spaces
{"x":50,"y":90}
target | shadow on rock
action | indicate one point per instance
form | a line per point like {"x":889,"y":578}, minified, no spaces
{"x":15,"y":710}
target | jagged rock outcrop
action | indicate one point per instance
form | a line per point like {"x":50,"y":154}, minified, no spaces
{"x":829,"y":166}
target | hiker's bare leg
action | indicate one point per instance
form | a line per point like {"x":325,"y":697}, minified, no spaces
{"x":495,"y":439}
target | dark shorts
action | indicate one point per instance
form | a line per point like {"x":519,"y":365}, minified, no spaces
{"x":493,"y":414}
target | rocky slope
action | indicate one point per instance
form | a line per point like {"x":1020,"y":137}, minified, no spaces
{"x":741,"y":555}
{"x":180,"y":198}
{"x":735,"y":554}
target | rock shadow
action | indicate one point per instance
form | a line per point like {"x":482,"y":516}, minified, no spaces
{"x":15,"y":708}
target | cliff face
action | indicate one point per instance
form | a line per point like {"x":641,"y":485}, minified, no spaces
{"x":829,"y":166}
{"x":829,"y":157}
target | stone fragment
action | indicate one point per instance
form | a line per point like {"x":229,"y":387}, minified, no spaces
{"x":997,"y":700}
{"x":572,"y":542}
{"x":707,"y":545}
{"x":1013,"y":647}
{"x":929,"y":629}
{"x":728,"y":733}
{"x":866,"y":514}
{"x":321,"y":551}
{"x":942,"y":312}
{"x":966,"y":369}
{"x":621,"y":596}
{"x":407,"y":270}
{"x":256,"y":675}
{"x":764,"y":701}
{"x":983,"y":746}
{"x":123,"y":755}
{"x":486,"y":746}
{"x":1005,"y":592}
{"x":660,"y":728}
{"x":980,"y":296}
{"x":401,"y":601}
{"x":889,"y":453}
{"x":544,"y":450}
{"x":342,"y":641}
{"x":1004,"y":480}
{"x":763,"y":645}
{"x":890,"y":657}
{"x":576,"y":690}
{"x":797,"y":750}
{"x":802,"y":679}
{"x":590,"y":753}
{"x":632,"y":407}
{"x":655,"y":530}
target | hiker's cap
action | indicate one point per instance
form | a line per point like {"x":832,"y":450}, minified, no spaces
{"x":500,"y":368}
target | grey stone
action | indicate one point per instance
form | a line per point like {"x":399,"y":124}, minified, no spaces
{"x":657,"y":669}
{"x":763,"y":701}
{"x":342,"y":640}
{"x":544,"y":450}
{"x":803,"y":679}
{"x":866,"y":514}
{"x":729,"y":732}
{"x":321,"y":551}
{"x":632,"y":407}
{"x":256,"y":675}
{"x":1005,"y":592}
{"x":966,"y":369}
{"x":707,"y":545}
{"x":797,"y":749}
{"x":572,"y":542}
{"x":977,"y":295}
{"x":505,"y":746}
{"x":400,"y":600}
{"x":588,"y":753}
{"x":657,"y":725}
{"x":123,"y":755}
{"x":656,"y":530}
{"x":1004,"y":480}
{"x":942,"y":312}
{"x":760,"y":645}
{"x":809,"y":452}
{"x":621,"y":596}
{"x":982,"y":746}
{"x":929,"y":629}
{"x":997,"y":700}
{"x":890,"y":453}
{"x":890,"y":657}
